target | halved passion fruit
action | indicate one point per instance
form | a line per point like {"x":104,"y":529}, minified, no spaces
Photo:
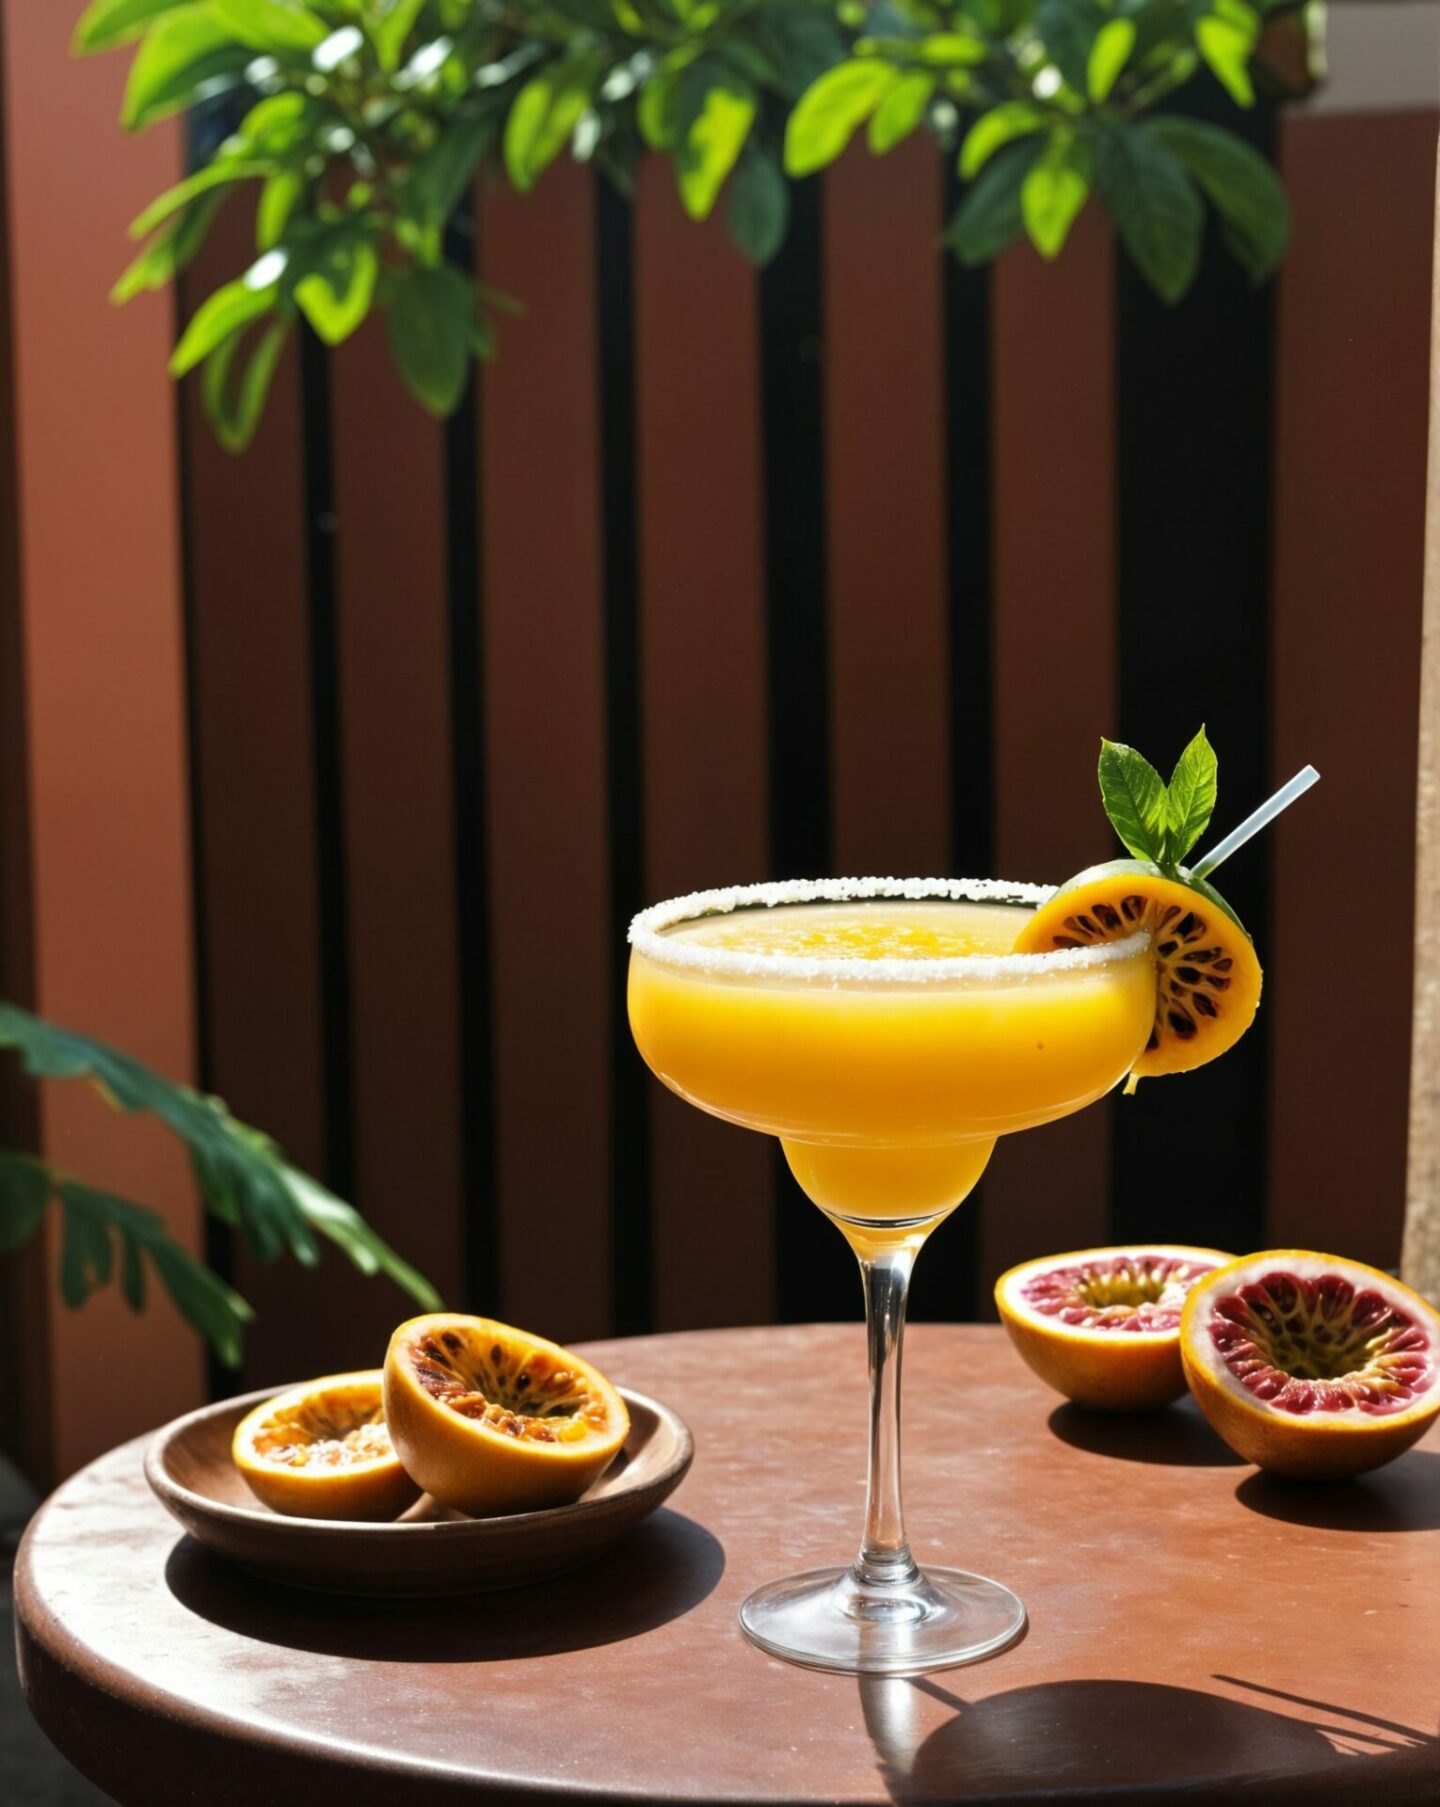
{"x":1310,"y":1365}
{"x":1102,"y":1326}
{"x":322,"y":1451}
{"x":490,"y":1419}
{"x":1208,"y":978}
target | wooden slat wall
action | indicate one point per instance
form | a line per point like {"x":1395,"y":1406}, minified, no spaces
{"x":256,"y":877}
{"x":399,"y":815}
{"x":410,"y":707}
{"x":885,"y":430}
{"x":706,"y":779}
{"x":544,"y":710}
{"x":1353,"y":348}
{"x":1054,"y":474}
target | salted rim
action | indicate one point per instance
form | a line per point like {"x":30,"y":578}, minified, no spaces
{"x":647,"y":937}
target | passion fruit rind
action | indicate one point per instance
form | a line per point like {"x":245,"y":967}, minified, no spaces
{"x":1112,"y":869}
{"x":1207,"y":979}
{"x":490,"y":1419}
{"x":1101,"y":1326}
{"x":1312,"y":1365}
{"x":322,"y":1450}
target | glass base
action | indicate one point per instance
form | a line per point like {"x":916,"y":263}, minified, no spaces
{"x":830,"y":1619}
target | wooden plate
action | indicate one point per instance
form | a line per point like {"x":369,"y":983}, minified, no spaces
{"x":430,"y":1550}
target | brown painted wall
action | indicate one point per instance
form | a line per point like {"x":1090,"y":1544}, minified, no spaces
{"x":94,"y":424}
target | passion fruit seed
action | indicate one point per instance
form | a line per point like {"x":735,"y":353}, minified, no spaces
{"x":296,"y":1440}
{"x":524,"y":1396}
{"x":1192,"y":968}
{"x":1129,"y":1292}
{"x":1322,"y":1345}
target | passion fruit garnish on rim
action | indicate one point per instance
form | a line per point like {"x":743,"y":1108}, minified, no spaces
{"x":491,"y":1419}
{"x":1102,"y":1326}
{"x":1311,"y":1365}
{"x":1208,"y":978}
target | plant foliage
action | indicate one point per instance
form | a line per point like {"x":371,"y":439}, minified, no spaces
{"x":244,"y":1179}
{"x":368,"y":121}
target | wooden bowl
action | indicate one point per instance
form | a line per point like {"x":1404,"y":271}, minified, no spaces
{"x":430,"y":1549}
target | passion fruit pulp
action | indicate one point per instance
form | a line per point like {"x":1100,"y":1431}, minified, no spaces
{"x":1311,"y":1365}
{"x":492,"y":1419}
{"x":322,"y":1450}
{"x":1208,"y":979}
{"x":1102,"y":1326}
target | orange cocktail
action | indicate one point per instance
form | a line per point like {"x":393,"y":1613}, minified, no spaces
{"x":886,"y":1033}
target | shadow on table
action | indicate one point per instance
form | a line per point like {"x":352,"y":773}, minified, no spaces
{"x":1178,"y":1436}
{"x":662,"y":1570}
{"x":1405,"y":1496}
{"x":1082,"y":1739}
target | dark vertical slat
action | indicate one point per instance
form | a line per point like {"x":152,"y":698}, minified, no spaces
{"x":702,"y":663}
{"x":219,"y":1237}
{"x":1194,"y":387}
{"x":252,"y":747}
{"x":966,"y":299}
{"x":969,"y":404}
{"x":885,"y":514}
{"x":1054,"y":489}
{"x":393,"y":668}
{"x":545,"y":726}
{"x":327,"y":712}
{"x":463,"y":508}
{"x":26,"y":1432}
{"x":792,"y":392}
{"x":815,"y":1271}
{"x":1353,"y":332}
{"x":632,"y":1253}
{"x":205,"y":127}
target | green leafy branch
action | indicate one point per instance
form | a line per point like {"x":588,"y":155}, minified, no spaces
{"x":1158,"y":821}
{"x":243,"y":1178}
{"x":366,"y":122}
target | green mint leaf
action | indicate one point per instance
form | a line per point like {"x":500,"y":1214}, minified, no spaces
{"x":1135,"y":800}
{"x":1191,"y":796}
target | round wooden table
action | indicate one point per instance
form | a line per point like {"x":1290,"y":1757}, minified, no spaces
{"x":1196,"y":1630}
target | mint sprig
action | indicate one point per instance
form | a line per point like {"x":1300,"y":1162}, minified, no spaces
{"x":1157,"y":821}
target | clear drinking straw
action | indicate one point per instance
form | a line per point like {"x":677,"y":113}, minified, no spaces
{"x":1262,"y":818}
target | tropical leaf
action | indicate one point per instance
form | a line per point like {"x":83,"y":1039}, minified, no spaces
{"x":242,"y":1176}
{"x":96,"y":1228}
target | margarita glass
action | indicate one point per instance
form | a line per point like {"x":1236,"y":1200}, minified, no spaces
{"x":885,"y":1032}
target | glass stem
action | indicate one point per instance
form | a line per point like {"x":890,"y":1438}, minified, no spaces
{"x":885,"y":1559}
